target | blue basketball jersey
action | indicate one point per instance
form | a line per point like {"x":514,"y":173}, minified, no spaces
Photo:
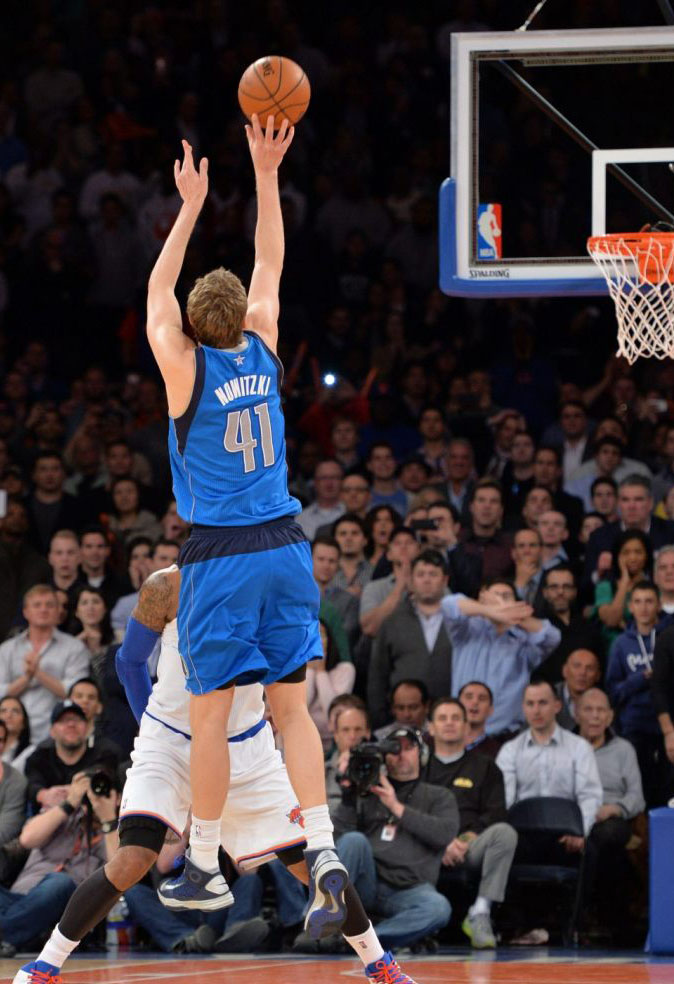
{"x":228,"y":450}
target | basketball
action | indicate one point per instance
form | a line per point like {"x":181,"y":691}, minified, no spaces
{"x":274,"y":85}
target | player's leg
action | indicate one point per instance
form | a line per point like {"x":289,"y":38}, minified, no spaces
{"x":141,"y":839}
{"x":209,"y":773}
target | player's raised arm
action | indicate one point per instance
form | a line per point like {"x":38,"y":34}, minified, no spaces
{"x":267,"y":152}
{"x":172,"y":349}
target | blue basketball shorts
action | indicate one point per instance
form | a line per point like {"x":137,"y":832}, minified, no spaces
{"x":248,"y":604}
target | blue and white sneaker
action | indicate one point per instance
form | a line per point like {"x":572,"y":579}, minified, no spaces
{"x":327,"y":881}
{"x":38,"y":972}
{"x":195,"y":889}
{"x":387,"y":970}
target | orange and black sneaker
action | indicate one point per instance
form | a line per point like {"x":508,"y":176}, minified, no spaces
{"x":387,"y":970}
{"x":38,"y":972}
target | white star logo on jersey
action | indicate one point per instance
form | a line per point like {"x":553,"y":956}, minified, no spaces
{"x":239,"y":360}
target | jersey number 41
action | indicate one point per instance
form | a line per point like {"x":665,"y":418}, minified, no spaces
{"x":239,"y":436}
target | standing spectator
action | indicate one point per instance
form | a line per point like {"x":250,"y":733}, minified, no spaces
{"x":604,"y":498}
{"x":327,"y":506}
{"x":485,"y":843}
{"x":64,"y":560}
{"x":13,"y":789}
{"x":355,"y":494}
{"x":571,"y":434}
{"x":537,"y":501}
{"x":526,"y":554}
{"x":391,"y":842}
{"x":548,"y":475}
{"x":412,"y":642}
{"x":21,"y":566}
{"x":94,"y":554}
{"x":605,"y":463}
{"x":580,"y":671}
{"x":40,"y":663}
{"x":339,"y":608}
{"x":128,"y":519}
{"x":354,"y":571}
{"x":351,"y":725}
{"x":460,"y":473}
{"x":385,"y":491}
{"x":509,"y":423}
{"x":380,"y":523}
{"x":663,"y":575}
{"x":464,"y":567}
{"x":560,"y":594}
{"x":345,"y":438}
{"x":409,"y":707}
{"x":496,"y":639}
{"x":434,"y":448}
{"x":628,"y":682}
{"x":483,"y":537}
{"x":518,"y":475}
{"x":173,"y":528}
{"x":144,"y":559}
{"x":382,"y":596}
{"x":18,"y":746}
{"x":327,"y":678}
{"x":478,"y":701}
{"x":49,"y":507}
{"x":554,"y":532}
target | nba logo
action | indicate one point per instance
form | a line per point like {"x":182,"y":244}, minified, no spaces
{"x":489,"y":246}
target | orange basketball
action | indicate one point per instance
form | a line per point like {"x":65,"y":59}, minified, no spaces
{"x":274,"y":85}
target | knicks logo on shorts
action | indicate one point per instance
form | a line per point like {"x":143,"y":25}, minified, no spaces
{"x":295,"y":816}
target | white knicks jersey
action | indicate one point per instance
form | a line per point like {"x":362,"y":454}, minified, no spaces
{"x":169,"y":701}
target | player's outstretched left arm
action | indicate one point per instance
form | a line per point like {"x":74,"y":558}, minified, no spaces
{"x":267,"y":152}
{"x":172,"y":349}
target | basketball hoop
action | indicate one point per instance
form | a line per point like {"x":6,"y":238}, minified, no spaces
{"x":639,"y":271}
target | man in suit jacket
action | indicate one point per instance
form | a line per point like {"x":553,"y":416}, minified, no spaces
{"x":548,"y":473}
{"x":412,"y":642}
{"x":635,"y":504}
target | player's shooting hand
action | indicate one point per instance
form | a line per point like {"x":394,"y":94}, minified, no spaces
{"x":191,"y":184}
{"x":266,"y":149}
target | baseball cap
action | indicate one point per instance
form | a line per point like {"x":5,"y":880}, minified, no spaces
{"x":406,"y":732}
{"x":63,"y":707}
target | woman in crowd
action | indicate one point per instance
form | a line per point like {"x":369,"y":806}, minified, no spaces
{"x":327,"y":678}
{"x":128,"y":519}
{"x":92,"y":623}
{"x":380,"y":523}
{"x":18,"y":746}
{"x":631,"y":562}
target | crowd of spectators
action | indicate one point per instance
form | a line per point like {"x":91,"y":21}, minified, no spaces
{"x":490,"y":506}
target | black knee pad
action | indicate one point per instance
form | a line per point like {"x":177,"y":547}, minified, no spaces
{"x":297,"y":676}
{"x":290,"y":855}
{"x":147,"y":832}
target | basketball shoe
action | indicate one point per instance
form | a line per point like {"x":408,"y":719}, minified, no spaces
{"x":327,"y":880}
{"x":38,"y":972}
{"x":195,"y":889}
{"x":387,"y":970}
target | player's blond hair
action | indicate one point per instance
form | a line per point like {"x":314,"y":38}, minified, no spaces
{"x":216,"y":308}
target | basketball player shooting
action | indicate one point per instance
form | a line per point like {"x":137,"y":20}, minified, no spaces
{"x":248,"y":601}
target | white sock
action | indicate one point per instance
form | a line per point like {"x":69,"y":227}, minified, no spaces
{"x":480,"y":905}
{"x":57,"y":949}
{"x":366,"y":945}
{"x":318,"y":828}
{"x":204,"y":843}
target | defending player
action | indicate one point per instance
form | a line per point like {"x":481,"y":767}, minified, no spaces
{"x":155,"y":800}
{"x":249,"y":604}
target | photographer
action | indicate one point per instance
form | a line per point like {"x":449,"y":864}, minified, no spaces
{"x":66,"y":843}
{"x":392,"y":831}
{"x":51,"y":767}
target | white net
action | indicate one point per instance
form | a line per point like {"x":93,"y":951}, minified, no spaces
{"x":639,"y":270}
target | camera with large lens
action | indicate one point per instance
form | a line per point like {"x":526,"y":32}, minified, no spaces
{"x":365,"y":763}
{"x":100,"y":780}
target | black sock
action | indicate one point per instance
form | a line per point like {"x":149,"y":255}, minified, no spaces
{"x":356,"y":921}
{"x":91,"y":902}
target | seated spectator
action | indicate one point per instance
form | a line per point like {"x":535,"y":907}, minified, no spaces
{"x":560,"y":595}
{"x":409,"y":707}
{"x":41,"y":662}
{"x":484,"y":843}
{"x":581,"y":670}
{"x":663,"y":576}
{"x":537,"y":501}
{"x":664,"y":479}
{"x":622,"y":801}
{"x":591,"y":521}
{"x":381,"y":596}
{"x":95,"y":553}
{"x":571,"y":434}
{"x":87,"y":694}
{"x":392,"y":849}
{"x":632,"y":561}
{"x":434,"y":448}
{"x":605,"y":463}
{"x":483,"y":537}
{"x":67,"y":842}
{"x":128,"y":519}
{"x":384,"y":487}
{"x":464,"y":567}
{"x":327,"y":506}
{"x":460,"y":472}
{"x":506,"y":425}
{"x":163,"y":554}
{"x":355,"y":494}
{"x":380,"y":523}
{"x":326,"y":679}
{"x":635,"y":503}
{"x":173,"y":528}
{"x":497,"y":640}
{"x":49,"y":507}
{"x":13,"y":790}
{"x":351,"y":725}
{"x":628,"y":683}
{"x":53,"y":764}
{"x":412,"y":642}
{"x":478,"y":701}
{"x":64,"y":560}
{"x":548,"y":474}
{"x":338,"y":609}
{"x":21,"y":566}
{"x":554,"y":533}
{"x":354,"y":570}
{"x":345,"y":438}
{"x":138,"y":553}
{"x":18,"y":746}
{"x":518,"y":475}
{"x":604,"y":498}
{"x":92,"y":623}
{"x":546,"y":760}
{"x":413,"y":474}
{"x":526,"y":554}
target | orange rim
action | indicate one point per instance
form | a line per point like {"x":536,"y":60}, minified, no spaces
{"x":612,"y":241}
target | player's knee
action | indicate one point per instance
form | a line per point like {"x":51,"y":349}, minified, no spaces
{"x":129,"y":865}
